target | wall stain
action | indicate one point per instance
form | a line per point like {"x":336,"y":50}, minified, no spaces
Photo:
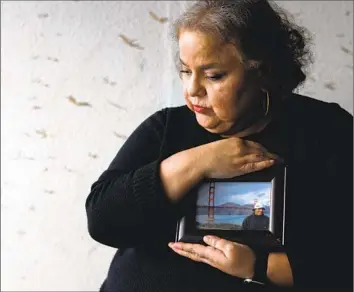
{"x":21,"y":232}
{"x":309,"y":93}
{"x":52,"y":157}
{"x":130,"y":42}
{"x":116,"y":105}
{"x":349,"y":66}
{"x":36,"y":107}
{"x":53,"y":59}
{"x":92,"y":249}
{"x":330,"y":85}
{"x":78,"y":103}
{"x":42,"y":15}
{"x":39,"y":81}
{"x":107,"y":81}
{"x":312,"y":78}
{"x":35,"y":58}
{"x":27,"y":135}
{"x":347,"y":51}
{"x":159,"y":19}
{"x":45,"y":169}
{"x":43,"y":133}
{"x":142,"y":65}
{"x":68,"y":169}
{"x":28,"y":158}
{"x":32,"y":208}
{"x":92,"y":155}
{"x":20,"y":156}
{"x":120,"y":135}
{"x":347,"y":13}
{"x":340,"y":35}
{"x":32,"y":98}
{"x":50,"y":192}
{"x":59,"y":34}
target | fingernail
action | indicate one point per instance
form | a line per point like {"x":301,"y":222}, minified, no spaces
{"x":171,"y":244}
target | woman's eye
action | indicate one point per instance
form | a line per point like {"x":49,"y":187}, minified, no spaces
{"x":184,"y":72}
{"x":216,"y":77}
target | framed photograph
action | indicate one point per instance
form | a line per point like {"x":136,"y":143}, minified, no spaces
{"x":247,"y":209}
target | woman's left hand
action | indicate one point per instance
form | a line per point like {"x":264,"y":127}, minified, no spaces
{"x":230,"y":257}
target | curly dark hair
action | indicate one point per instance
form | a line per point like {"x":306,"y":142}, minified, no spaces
{"x":263,"y":34}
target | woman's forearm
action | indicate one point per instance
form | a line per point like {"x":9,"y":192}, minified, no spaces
{"x":182,"y":171}
{"x":279,"y":270}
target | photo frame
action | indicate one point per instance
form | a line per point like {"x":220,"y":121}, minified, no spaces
{"x":247,"y":209}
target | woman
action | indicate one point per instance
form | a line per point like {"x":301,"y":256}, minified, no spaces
{"x":239,"y":63}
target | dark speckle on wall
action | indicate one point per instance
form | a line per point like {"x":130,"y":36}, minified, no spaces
{"x":50,"y":192}
{"x":42,"y":15}
{"x":92,"y":249}
{"x":107,"y":81}
{"x":312,"y":78}
{"x":36,"y":107}
{"x":68,"y":169}
{"x":347,"y":13}
{"x":78,"y":103}
{"x":59,"y":34}
{"x":92,"y":155}
{"x":45,"y":169}
{"x":39,"y":81}
{"x":330,"y":85}
{"x":130,"y":42}
{"x":53,"y":59}
{"x":340,"y":35}
{"x":32,"y":208}
{"x":116,"y":105}
{"x":120,"y":136}
{"x":21,"y":232}
{"x":159,"y":19}
{"x":142,"y":65}
{"x":42,"y":133}
{"x":347,"y":51}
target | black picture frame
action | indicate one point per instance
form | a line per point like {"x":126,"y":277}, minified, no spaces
{"x":273,"y":238}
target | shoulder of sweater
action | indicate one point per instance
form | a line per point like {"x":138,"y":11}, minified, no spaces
{"x":310,"y":111}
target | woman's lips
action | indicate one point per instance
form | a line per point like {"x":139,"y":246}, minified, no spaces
{"x":199,"y":109}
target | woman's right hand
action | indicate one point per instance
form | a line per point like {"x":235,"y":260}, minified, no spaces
{"x":234,"y":156}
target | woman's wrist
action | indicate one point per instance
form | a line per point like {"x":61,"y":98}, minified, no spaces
{"x":279,"y":270}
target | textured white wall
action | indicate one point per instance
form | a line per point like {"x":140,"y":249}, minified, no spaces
{"x":72,"y":90}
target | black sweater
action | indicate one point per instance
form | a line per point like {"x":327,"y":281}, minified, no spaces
{"x":256,"y":222}
{"x":128,"y":209}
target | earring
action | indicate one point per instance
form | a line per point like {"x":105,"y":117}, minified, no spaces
{"x":267,"y":102}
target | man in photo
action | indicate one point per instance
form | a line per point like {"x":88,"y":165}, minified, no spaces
{"x":257,"y":220}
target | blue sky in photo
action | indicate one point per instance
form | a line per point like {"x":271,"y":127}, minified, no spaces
{"x":237,"y":192}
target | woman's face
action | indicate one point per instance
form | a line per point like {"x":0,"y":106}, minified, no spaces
{"x":214,"y":84}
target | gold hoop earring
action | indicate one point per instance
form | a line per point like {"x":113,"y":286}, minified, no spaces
{"x":267,"y":102}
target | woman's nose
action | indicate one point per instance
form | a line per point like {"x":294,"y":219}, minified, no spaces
{"x":195,"y":88}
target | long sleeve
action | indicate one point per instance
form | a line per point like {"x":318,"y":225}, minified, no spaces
{"x":127,"y":205}
{"x":321,"y":250}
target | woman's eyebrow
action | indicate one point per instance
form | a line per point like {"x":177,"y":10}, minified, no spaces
{"x":205,"y":66}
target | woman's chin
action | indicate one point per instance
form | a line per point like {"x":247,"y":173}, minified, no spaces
{"x":207,"y":123}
